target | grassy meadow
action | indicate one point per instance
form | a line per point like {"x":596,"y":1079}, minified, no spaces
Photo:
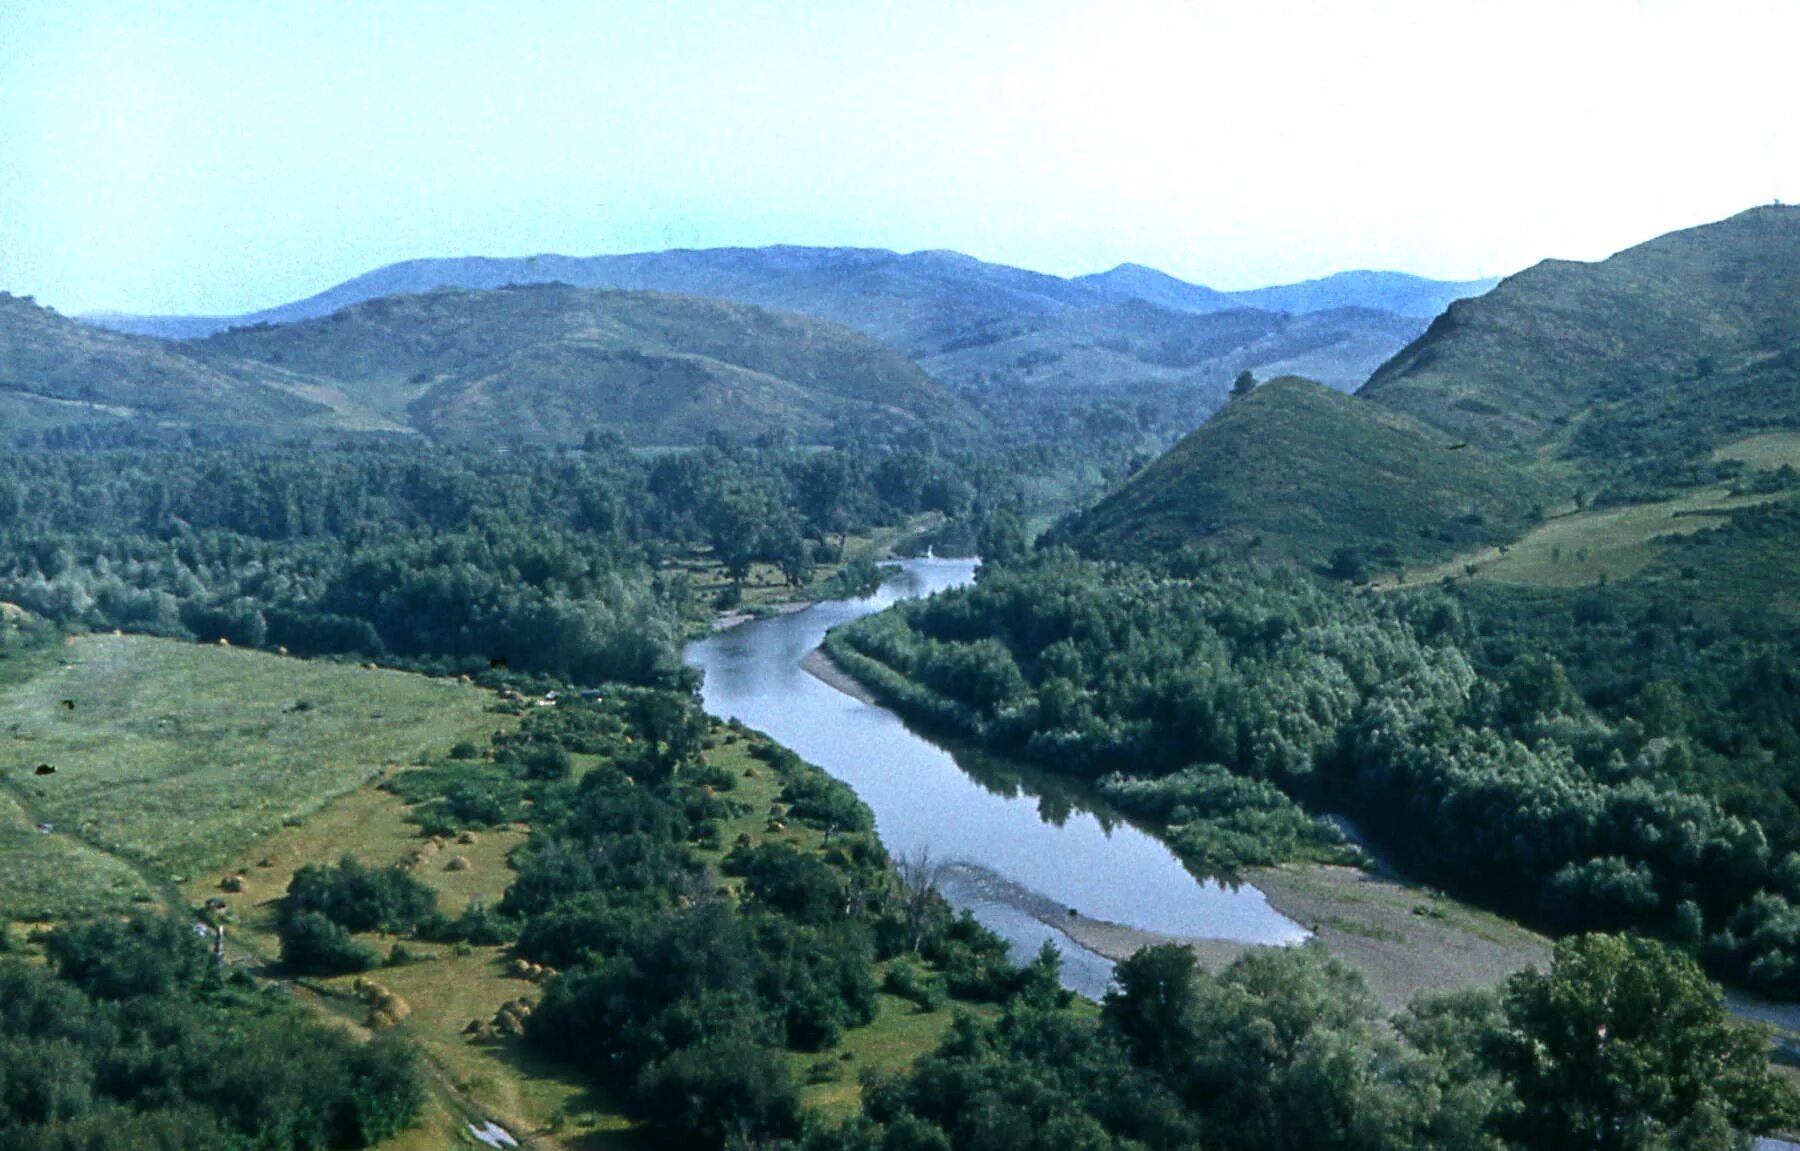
{"x":169,"y":757}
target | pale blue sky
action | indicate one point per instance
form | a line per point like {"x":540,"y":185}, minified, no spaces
{"x":227,"y":156}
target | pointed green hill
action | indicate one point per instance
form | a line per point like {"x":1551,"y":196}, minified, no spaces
{"x":1299,"y":470}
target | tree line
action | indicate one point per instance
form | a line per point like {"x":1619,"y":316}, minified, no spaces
{"x":1656,"y":799}
{"x":449,"y":559}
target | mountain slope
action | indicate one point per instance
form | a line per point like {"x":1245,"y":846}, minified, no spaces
{"x":1669,"y":370}
{"x":1564,"y":343}
{"x":1137,"y":282}
{"x":1395,"y":292}
{"x":55,"y":372}
{"x":1298,"y":470}
{"x":551,"y":363}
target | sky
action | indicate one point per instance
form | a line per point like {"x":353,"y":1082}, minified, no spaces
{"x":195,"y":157}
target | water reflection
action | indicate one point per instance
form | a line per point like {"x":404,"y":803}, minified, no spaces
{"x":1036,"y":832}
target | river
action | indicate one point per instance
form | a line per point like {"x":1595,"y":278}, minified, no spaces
{"x":1022,"y":850}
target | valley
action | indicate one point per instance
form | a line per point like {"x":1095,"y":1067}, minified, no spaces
{"x":448,"y":649}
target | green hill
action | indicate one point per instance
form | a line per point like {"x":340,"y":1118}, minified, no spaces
{"x":1700,"y":327}
{"x":1299,"y":470}
{"x":550,"y":363}
{"x":57,"y":373}
{"x":1618,"y":382}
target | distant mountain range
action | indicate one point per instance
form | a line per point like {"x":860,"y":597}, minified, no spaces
{"x":907,"y":300}
{"x":545,"y":364}
{"x":1619,"y":381}
{"x":1040,"y":354}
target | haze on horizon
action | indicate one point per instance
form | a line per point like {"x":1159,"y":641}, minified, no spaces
{"x":217,"y":158}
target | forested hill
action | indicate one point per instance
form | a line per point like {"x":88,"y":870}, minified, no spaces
{"x":552,"y":363}
{"x":1712,"y":312}
{"x":1295,"y":469}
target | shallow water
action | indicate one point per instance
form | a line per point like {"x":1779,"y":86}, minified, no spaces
{"x":1041,"y":839}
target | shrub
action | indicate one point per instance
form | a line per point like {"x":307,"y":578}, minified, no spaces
{"x":312,"y":944}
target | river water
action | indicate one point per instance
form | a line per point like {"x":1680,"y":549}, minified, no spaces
{"x":1023,"y":848}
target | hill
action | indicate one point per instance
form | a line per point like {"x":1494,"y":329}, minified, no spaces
{"x":57,"y":373}
{"x":1695,"y":332}
{"x":906,"y":299}
{"x":1298,"y":470}
{"x":551,"y":363}
{"x":1042,"y":355}
{"x":1395,"y":292}
{"x":1627,"y":380}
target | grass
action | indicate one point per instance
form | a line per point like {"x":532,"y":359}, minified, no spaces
{"x":1582,"y":548}
{"x":170,"y":757}
{"x":900,"y":1034}
{"x":1765,"y":452}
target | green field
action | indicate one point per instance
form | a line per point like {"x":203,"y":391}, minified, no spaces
{"x":1582,"y":548}
{"x":169,"y":757}
{"x":1765,"y":452}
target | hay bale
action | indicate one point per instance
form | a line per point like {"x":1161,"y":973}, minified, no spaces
{"x":507,"y":1023}
{"x":469,"y":838}
{"x":519,"y":968}
{"x":459,"y":863}
{"x":380,"y":1021}
{"x":223,"y":642}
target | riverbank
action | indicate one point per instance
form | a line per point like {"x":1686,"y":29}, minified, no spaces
{"x":1405,"y":941}
{"x":819,"y":664}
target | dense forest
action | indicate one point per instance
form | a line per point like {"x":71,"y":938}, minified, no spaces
{"x":1646,"y":780}
{"x":553,"y":561}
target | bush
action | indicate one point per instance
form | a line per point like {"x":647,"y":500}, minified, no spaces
{"x":720,"y":1089}
{"x":311,"y":944}
{"x":360,"y":898}
{"x":913,"y":983}
{"x":145,"y":955}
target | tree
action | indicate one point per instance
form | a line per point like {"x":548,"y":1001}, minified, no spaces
{"x":1625,"y":1044}
{"x":917,"y":879}
{"x":1350,"y":564}
{"x":1243,"y":385}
